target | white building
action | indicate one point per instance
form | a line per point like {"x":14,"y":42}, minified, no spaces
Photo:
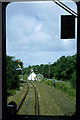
{"x":32,"y":76}
{"x":39,"y":77}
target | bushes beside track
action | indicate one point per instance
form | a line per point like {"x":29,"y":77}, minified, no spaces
{"x":12,"y":75}
{"x":67,"y":88}
{"x":63,"y":86}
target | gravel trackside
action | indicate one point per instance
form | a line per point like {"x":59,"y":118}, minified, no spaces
{"x":54,"y":102}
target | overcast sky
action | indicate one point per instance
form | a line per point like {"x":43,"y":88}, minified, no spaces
{"x":33,"y":32}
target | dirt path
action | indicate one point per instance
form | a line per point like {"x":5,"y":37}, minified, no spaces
{"x":54,"y":102}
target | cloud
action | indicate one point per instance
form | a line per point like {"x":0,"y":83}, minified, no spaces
{"x":33,"y":32}
{"x":38,"y":27}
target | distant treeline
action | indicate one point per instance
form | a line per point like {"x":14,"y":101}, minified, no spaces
{"x":63,"y":69}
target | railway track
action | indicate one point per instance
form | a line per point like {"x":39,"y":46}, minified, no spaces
{"x":29,"y":105}
{"x":36,"y":101}
{"x":18,"y":108}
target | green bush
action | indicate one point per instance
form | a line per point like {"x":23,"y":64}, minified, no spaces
{"x":47,"y":82}
{"x":43,"y":80}
{"x":73,"y":80}
{"x":72,"y":92}
{"x":67,"y":88}
{"x":11,"y":92}
{"x":51,"y":83}
{"x":63,"y":86}
{"x":25,"y":77}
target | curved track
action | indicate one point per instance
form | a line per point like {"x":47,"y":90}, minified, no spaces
{"x":30,"y":103}
{"x":23,"y":99}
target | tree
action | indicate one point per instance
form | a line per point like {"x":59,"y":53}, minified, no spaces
{"x":12,"y":74}
{"x":62,"y":69}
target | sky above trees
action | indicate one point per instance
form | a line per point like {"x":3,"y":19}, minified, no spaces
{"x":33,"y":32}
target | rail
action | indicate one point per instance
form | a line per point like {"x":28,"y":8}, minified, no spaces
{"x":12,"y":107}
{"x":23,"y":99}
{"x":36,"y":101}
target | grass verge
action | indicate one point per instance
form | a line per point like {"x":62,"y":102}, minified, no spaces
{"x":63,"y":86}
{"x":18,"y":96}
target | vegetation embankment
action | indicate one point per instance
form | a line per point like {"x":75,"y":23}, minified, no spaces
{"x":17,"y":98}
{"x":12,"y":75}
{"x":66,"y":87}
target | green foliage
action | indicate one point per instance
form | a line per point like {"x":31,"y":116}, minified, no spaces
{"x":63,"y":75}
{"x":43,"y":80}
{"x":63,"y":69}
{"x":12,"y":91}
{"x":20,"y":76}
{"x":73,"y":80}
{"x":12,"y":74}
{"x":51,"y":83}
{"x":27,"y":70}
{"x":25,"y":77}
{"x":67,"y":88}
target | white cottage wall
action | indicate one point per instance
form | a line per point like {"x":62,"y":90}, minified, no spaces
{"x":32,"y":76}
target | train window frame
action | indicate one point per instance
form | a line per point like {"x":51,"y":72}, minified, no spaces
{"x":4,"y":87}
